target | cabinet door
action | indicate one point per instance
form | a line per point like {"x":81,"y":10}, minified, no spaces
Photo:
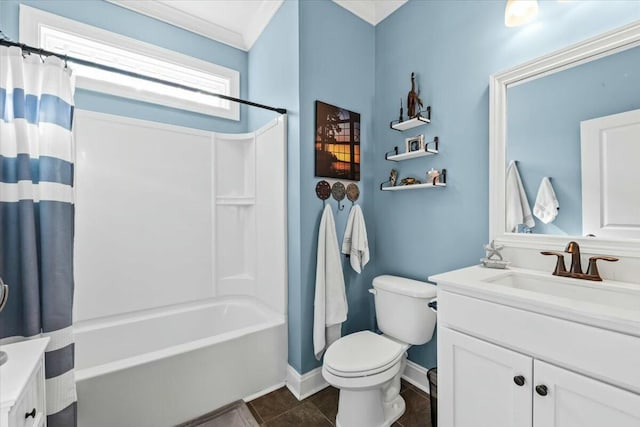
{"x":477,"y":386}
{"x":573,"y":400}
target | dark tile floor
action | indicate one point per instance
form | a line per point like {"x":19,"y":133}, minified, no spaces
{"x":281,"y":409}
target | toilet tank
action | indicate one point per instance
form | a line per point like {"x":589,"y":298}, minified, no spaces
{"x":401,"y":308}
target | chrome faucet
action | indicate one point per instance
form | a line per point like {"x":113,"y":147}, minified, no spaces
{"x":575,"y":270}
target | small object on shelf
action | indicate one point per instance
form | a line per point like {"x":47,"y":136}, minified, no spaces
{"x":393,"y":177}
{"x":410,"y":181}
{"x":493,"y":257}
{"x":413,"y":100}
{"x":353,"y":193}
{"x":401,"y":118}
{"x":411,"y":123}
{"x":433,"y":176}
{"x":415,"y":143}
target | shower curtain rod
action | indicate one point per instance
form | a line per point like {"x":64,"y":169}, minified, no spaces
{"x":42,"y":52}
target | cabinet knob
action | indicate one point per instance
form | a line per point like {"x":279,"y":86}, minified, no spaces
{"x":541,"y":390}
{"x":30,"y":414}
{"x":519,"y":380}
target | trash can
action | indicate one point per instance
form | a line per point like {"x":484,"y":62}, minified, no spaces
{"x":432,"y":376}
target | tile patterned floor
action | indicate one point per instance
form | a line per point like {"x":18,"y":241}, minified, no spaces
{"x":281,"y":409}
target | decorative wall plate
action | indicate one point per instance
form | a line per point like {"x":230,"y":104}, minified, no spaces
{"x":323,"y":190}
{"x":338,"y":191}
{"x":353,"y":192}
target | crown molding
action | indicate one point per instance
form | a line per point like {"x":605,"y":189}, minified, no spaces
{"x":179,"y":18}
{"x":371,"y":11}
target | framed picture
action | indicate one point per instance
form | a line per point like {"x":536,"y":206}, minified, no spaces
{"x":415,"y":143}
{"x":337,"y":142}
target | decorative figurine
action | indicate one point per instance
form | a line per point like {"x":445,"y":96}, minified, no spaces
{"x":413,"y":100}
{"x":493,"y":257}
{"x":410,"y":181}
{"x":393,"y":177}
{"x":401,"y":118}
{"x":433,"y":176}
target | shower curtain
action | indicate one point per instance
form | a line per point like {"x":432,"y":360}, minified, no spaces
{"x":36,"y":216}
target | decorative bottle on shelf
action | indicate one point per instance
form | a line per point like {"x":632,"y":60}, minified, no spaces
{"x":413,"y":100}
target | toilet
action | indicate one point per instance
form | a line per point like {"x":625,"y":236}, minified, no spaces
{"x":366,"y":367}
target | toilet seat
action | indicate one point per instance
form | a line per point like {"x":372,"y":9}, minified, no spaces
{"x":362,"y":354}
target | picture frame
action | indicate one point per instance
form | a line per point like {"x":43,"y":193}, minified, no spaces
{"x":414,"y":143}
{"x":337,"y":142}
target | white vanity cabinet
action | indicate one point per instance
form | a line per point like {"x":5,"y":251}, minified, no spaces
{"x":485,"y":385}
{"x":509,"y":358}
{"x":22,"y":393}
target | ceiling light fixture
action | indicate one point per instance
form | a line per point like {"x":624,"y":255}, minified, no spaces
{"x":520,"y":12}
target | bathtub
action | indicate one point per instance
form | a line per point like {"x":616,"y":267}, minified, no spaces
{"x":166,"y":366}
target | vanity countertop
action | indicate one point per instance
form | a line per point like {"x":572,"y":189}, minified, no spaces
{"x":23,"y":360}
{"x":608,"y":304}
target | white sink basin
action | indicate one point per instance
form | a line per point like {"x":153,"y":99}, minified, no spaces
{"x":602,"y":293}
{"x":609,"y":304}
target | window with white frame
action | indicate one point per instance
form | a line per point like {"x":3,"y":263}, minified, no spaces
{"x":62,"y":35}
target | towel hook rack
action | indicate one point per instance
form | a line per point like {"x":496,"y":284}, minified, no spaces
{"x":323,"y":191}
{"x":338,"y":192}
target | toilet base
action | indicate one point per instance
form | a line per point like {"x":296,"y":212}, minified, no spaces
{"x":380,"y":416}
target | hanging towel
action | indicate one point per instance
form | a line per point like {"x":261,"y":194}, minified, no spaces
{"x":518,"y":210}
{"x":546,"y":207}
{"x":330,"y":305}
{"x":355,"y":243}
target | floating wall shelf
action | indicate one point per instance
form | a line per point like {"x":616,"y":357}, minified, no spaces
{"x":422,"y":118}
{"x":440,"y":181}
{"x":413,"y":187}
{"x":398,"y":157}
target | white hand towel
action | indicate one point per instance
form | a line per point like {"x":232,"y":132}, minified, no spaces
{"x":330,"y":305}
{"x":355,"y":242}
{"x":546,"y":207}
{"x":517,"y":209}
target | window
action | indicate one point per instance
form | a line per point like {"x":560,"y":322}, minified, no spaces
{"x":62,"y":35}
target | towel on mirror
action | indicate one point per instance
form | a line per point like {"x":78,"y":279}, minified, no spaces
{"x":330,"y":304}
{"x":355,"y":242}
{"x":517,"y":206}
{"x":546,"y":206}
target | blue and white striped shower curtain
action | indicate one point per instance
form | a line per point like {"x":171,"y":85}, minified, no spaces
{"x":36,"y":216}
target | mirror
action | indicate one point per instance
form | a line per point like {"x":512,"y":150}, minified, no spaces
{"x":574,"y":117}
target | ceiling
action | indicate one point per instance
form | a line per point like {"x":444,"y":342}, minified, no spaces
{"x":239,"y":23}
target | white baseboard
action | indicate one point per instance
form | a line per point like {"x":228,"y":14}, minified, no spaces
{"x":263,"y":392}
{"x":303,"y":386}
{"x":416,"y":375}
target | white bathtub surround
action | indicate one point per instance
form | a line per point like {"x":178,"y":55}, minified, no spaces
{"x":189,"y":314}
{"x":355,"y":243}
{"x":169,"y":366}
{"x":330,"y":303}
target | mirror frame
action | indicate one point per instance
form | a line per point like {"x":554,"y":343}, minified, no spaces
{"x":620,"y":39}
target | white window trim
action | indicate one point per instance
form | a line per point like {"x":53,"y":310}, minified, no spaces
{"x":33,"y":20}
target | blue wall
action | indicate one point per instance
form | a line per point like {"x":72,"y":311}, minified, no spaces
{"x":316,"y":51}
{"x":454,"y":47}
{"x":113,"y":18}
{"x":543,"y":127}
{"x":336,"y":66}
{"x":274,"y":80}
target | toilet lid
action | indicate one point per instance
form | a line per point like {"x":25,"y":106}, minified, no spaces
{"x":362,"y":352}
